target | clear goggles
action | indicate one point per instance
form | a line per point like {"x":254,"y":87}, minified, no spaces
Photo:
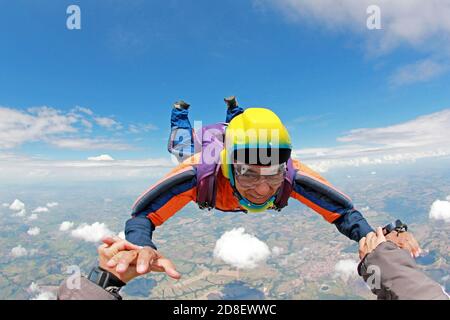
{"x":251,"y":175}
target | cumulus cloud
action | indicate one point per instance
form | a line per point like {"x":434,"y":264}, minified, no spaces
{"x":240,"y":249}
{"x":33,"y":288}
{"x":33,"y":169}
{"x":84,"y":110}
{"x":420,"y":138}
{"x":17,"y":126}
{"x":420,"y":25}
{"x":440,"y":210}
{"x":106,"y":122}
{"x":66,"y":225}
{"x":34,"y":231}
{"x":19,"y":251}
{"x":420,"y":71}
{"x":102,"y":157}
{"x":20,"y":213}
{"x":346,"y":269}
{"x":90,"y":144}
{"x":139,"y":128}
{"x":276,"y":251}
{"x":52,"y":204}
{"x":32,"y":217}
{"x":40,"y":210}
{"x":56,"y":127}
{"x":40,"y":294}
{"x":92,"y":233}
{"x":45,"y":295}
{"x":17,"y":205}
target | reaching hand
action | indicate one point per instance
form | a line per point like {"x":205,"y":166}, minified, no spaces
{"x":405,"y":240}
{"x":128,"y":261}
{"x":368,"y":243}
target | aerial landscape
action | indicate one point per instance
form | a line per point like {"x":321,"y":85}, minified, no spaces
{"x":306,"y":251}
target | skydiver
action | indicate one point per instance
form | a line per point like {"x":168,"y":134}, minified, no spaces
{"x":250,"y":170}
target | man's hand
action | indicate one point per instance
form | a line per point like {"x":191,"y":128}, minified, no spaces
{"x":128,"y":261}
{"x":368,"y":243}
{"x":111,"y":247}
{"x":405,"y":240}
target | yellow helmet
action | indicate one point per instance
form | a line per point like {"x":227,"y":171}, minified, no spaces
{"x":256,"y":136}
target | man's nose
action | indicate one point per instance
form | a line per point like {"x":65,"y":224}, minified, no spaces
{"x":263,"y":188}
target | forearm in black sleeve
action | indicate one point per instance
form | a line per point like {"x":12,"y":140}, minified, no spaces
{"x":139,"y":230}
{"x":353,"y":225}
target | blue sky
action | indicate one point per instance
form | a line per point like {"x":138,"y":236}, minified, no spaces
{"x":131,"y":61}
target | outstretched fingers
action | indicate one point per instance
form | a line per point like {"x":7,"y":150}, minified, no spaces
{"x":145,"y":258}
{"x":362,"y":246}
{"x":165,"y":265}
{"x":122,"y":260}
{"x":115,"y":244}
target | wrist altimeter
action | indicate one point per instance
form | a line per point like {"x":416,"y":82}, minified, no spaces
{"x":105,"y":279}
{"x":397,"y":226}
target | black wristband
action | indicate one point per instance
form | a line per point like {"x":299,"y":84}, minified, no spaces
{"x":104,"y":278}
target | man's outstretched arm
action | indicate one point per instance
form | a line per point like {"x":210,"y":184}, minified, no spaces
{"x":334,"y":206}
{"x":352,"y":224}
{"x":139,"y":230}
{"x":159,"y":203}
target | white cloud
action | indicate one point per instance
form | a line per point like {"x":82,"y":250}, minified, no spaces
{"x":90,"y":144}
{"x":33,"y":288}
{"x":276,"y":251}
{"x":19,"y":251}
{"x":440,"y":210}
{"x":6,"y":205}
{"x":139,"y":128}
{"x":45,"y":295}
{"x":32,"y":217}
{"x":17,"y":205}
{"x":240,"y":249}
{"x":106,"y":122}
{"x":34,"y":231}
{"x":40,"y":294}
{"x":40,"y":210}
{"x":20,"y":213}
{"x":84,"y":110}
{"x":18,"y":127}
{"x":102,"y":157}
{"x":420,"y":71}
{"x":55,"y":127}
{"x":52,"y":204}
{"x":36,"y":170}
{"x":92,"y":233}
{"x":66,"y":225}
{"x":346,"y":269}
{"x":419,"y":25}
{"x":420,"y":138}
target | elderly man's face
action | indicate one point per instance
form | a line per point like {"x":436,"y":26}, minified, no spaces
{"x":258,"y":183}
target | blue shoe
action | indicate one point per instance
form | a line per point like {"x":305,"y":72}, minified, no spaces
{"x":231,"y":102}
{"x":181,"y":104}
